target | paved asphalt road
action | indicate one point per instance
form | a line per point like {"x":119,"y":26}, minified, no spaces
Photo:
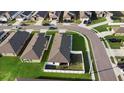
{"x":25,"y":27}
{"x":103,"y":64}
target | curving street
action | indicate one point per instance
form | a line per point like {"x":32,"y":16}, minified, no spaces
{"x":103,"y":64}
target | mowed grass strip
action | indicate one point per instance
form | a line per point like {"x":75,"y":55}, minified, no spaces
{"x":79,"y":45}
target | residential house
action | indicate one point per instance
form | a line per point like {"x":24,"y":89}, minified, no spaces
{"x":60,"y":51}
{"x":68,"y":15}
{"x":42,"y":14}
{"x":35,"y":49}
{"x":13,"y":44}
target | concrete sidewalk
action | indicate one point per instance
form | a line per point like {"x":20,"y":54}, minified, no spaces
{"x":106,"y":33}
{"x":98,"y":24}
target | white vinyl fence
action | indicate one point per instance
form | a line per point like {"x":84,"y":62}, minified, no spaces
{"x":64,"y":71}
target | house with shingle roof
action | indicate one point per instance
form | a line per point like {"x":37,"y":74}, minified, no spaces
{"x":13,"y":44}
{"x":60,"y":51}
{"x":35,"y":49}
{"x":42,"y":14}
{"x":68,"y":15}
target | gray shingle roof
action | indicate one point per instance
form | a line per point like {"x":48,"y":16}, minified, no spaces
{"x":42,"y":13}
{"x":27,"y":12}
{"x":1,"y":32}
{"x":14,"y":42}
{"x":60,"y":51}
{"x":11,"y":13}
{"x":35,"y":48}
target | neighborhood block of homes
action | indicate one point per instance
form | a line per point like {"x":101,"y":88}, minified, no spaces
{"x":62,"y":45}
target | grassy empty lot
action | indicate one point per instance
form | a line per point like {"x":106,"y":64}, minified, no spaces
{"x":103,"y":28}
{"x":114,"y":45}
{"x":12,"y":68}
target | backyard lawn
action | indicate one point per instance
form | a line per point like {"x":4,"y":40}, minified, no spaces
{"x":103,"y":28}
{"x":79,"y":45}
{"x":12,"y":68}
{"x":115,"y":45}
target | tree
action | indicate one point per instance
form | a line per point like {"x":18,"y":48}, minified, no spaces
{"x":77,"y":15}
{"x":61,"y":17}
{"x":93,"y":15}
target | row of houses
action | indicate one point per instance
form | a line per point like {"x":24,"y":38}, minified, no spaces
{"x":34,"y":49}
{"x":59,"y":15}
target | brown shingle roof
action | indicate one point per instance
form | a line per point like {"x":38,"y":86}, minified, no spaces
{"x":60,"y":51}
{"x":35,"y":48}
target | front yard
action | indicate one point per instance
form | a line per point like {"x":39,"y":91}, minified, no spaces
{"x":99,"y":20}
{"x":11,"y":21}
{"x":28,"y":22}
{"x":103,"y":28}
{"x":115,"y":45}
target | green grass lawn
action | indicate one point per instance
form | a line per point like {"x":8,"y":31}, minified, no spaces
{"x":99,"y":20}
{"x":77,"y":21}
{"x":103,"y":28}
{"x":79,"y":45}
{"x":115,"y":45}
{"x":120,"y":59}
{"x":11,"y":21}
{"x":12,"y":68}
{"x":117,"y":21}
{"x":28,"y":22}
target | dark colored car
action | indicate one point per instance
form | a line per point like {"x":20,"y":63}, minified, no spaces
{"x":24,"y":24}
{"x":52,"y":28}
{"x":87,"y":22}
{"x":114,"y":40}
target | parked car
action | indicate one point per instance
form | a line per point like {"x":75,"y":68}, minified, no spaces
{"x":87,"y":22}
{"x":52,"y":27}
{"x":114,"y":40}
{"x":24,"y":24}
